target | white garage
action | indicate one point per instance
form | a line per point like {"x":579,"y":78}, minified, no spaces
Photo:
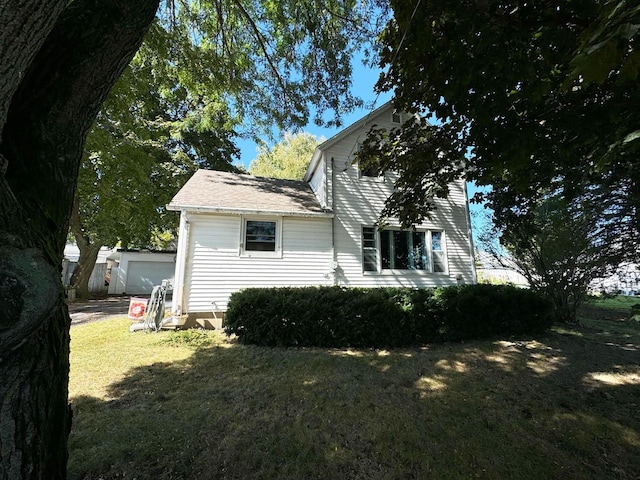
{"x":139,"y":271}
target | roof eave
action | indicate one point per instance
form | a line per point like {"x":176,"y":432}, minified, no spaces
{"x":247,"y":211}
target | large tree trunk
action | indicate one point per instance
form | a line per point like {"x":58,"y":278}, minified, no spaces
{"x":24,"y":28}
{"x":84,"y":269}
{"x":88,"y":255}
{"x":49,"y":114}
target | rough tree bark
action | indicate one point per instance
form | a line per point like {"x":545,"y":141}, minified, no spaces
{"x":24,"y":29}
{"x":51,"y":105}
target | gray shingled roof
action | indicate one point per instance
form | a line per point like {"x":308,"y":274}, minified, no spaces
{"x":231,"y":192}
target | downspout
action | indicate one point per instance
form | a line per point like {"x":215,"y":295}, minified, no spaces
{"x":334,"y":259}
{"x":178,"y":282}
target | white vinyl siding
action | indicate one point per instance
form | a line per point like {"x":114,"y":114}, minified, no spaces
{"x":358,"y":201}
{"x":215,"y":269}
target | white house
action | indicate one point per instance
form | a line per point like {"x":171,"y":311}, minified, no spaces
{"x":239,"y":231}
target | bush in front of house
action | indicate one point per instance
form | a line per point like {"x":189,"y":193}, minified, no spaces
{"x":382,"y":317}
{"x":481,"y":311}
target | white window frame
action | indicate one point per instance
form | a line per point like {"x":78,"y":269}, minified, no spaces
{"x":443,"y":244}
{"x":260,"y":253}
{"x":376,"y":248}
{"x":429,"y":246}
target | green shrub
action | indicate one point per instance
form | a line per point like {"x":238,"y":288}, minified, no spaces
{"x":480,"y":311}
{"x":382,"y":317}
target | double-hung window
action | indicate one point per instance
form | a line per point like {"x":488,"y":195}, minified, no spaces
{"x":261,"y":237}
{"x":391,"y":249}
{"x":438,"y":258}
{"x":369,"y":250}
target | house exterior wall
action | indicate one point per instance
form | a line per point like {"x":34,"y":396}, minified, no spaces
{"x":216,"y":265}
{"x":358,"y":201}
{"x":314,"y":250}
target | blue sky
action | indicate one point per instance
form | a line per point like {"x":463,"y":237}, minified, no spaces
{"x":364,"y":80}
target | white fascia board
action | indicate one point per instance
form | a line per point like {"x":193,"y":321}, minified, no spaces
{"x":247,"y":211}
{"x":313,"y":164}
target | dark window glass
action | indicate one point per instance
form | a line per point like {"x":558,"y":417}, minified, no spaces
{"x":260,"y":236}
{"x":403,"y":250}
{"x":371,"y":171}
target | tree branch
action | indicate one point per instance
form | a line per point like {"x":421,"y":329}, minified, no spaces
{"x":263,"y":47}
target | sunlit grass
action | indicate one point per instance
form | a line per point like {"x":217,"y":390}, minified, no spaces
{"x":617,"y":302}
{"x":197,"y":405}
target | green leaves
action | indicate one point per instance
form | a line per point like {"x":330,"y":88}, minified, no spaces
{"x":287,"y":159}
{"x":538,"y":97}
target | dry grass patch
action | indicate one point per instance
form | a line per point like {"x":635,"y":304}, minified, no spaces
{"x":196,"y":405}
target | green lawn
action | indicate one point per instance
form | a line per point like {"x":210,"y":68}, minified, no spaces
{"x":619,"y":302}
{"x":197,"y":405}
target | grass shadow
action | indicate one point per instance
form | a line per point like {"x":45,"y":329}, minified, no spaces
{"x":562,"y":406}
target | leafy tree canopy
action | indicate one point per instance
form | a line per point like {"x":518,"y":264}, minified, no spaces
{"x":289,"y":158}
{"x":207,"y":72}
{"x":567,"y":244}
{"x":531,"y":98}
{"x":140,"y":151}
{"x":269,"y":61}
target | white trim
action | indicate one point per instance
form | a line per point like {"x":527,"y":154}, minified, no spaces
{"x":181,"y":259}
{"x":395,"y":271}
{"x":247,"y":211}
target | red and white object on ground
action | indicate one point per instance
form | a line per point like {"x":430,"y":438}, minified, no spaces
{"x":137,"y":308}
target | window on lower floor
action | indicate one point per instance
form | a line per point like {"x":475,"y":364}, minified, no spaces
{"x":438,"y":259}
{"x":369,"y":250}
{"x":403,"y":250}
{"x":260,"y":236}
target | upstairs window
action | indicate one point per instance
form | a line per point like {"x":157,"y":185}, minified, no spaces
{"x":260,"y":236}
{"x":371,"y":171}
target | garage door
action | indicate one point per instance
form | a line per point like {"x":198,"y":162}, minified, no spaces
{"x":142,"y":276}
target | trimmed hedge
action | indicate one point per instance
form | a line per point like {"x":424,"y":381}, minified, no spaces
{"x":382,"y":317}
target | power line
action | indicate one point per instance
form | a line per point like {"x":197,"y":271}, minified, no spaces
{"x":393,"y":61}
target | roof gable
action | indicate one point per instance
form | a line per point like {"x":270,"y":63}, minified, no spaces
{"x":368,"y":120}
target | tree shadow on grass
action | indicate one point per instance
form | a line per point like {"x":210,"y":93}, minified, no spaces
{"x":561,"y":406}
